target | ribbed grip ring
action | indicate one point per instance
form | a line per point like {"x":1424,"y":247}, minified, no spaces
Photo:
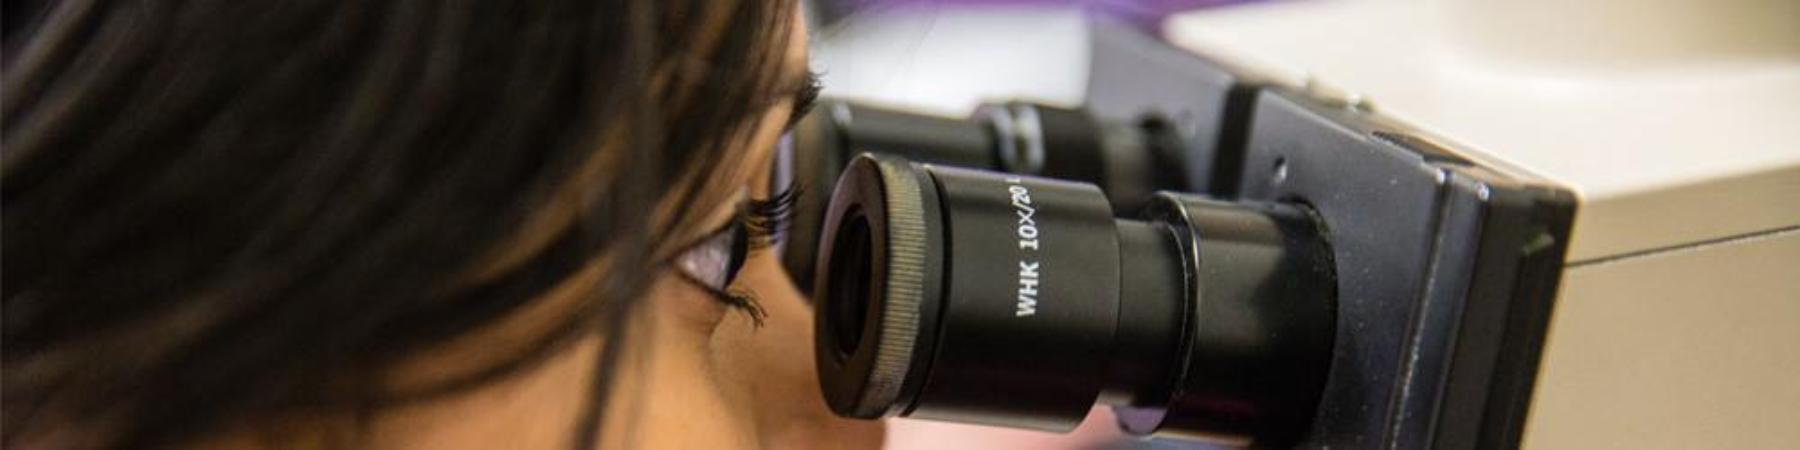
{"x":906,"y":246}
{"x":874,"y":288}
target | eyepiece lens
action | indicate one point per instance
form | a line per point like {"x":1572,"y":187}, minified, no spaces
{"x":849,"y":288}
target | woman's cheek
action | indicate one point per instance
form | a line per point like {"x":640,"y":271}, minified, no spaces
{"x":774,"y":366}
{"x":685,"y":308}
{"x":674,"y":394}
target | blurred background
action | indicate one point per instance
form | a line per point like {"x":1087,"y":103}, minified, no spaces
{"x":946,"y":56}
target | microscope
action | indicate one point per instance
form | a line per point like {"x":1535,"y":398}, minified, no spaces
{"x":1305,"y":225}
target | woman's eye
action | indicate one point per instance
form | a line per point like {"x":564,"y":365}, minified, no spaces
{"x":715,"y":262}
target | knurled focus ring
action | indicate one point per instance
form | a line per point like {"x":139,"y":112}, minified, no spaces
{"x":904,"y":290}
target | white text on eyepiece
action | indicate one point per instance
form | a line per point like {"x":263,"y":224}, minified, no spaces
{"x":1027,"y":232}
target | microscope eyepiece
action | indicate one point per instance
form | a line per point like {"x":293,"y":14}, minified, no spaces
{"x":1127,"y":160}
{"x":1002,"y":299}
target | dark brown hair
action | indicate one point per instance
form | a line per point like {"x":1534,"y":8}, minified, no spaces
{"x":226,"y":211}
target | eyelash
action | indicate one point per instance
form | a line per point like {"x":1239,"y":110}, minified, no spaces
{"x":760,"y":223}
{"x":805,"y":98}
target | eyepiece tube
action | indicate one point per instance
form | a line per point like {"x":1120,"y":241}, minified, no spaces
{"x":991,"y":298}
{"x":1126,"y":160}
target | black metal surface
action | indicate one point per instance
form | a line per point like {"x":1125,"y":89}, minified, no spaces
{"x":1135,"y":78}
{"x":1259,"y":323}
{"x":1448,"y":266}
{"x":1446,"y":272}
{"x":1380,"y":206}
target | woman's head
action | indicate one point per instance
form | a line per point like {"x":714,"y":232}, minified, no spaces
{"x":229,"y":218}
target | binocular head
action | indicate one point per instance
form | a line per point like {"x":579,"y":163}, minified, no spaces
{"x":1013,"y":300}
